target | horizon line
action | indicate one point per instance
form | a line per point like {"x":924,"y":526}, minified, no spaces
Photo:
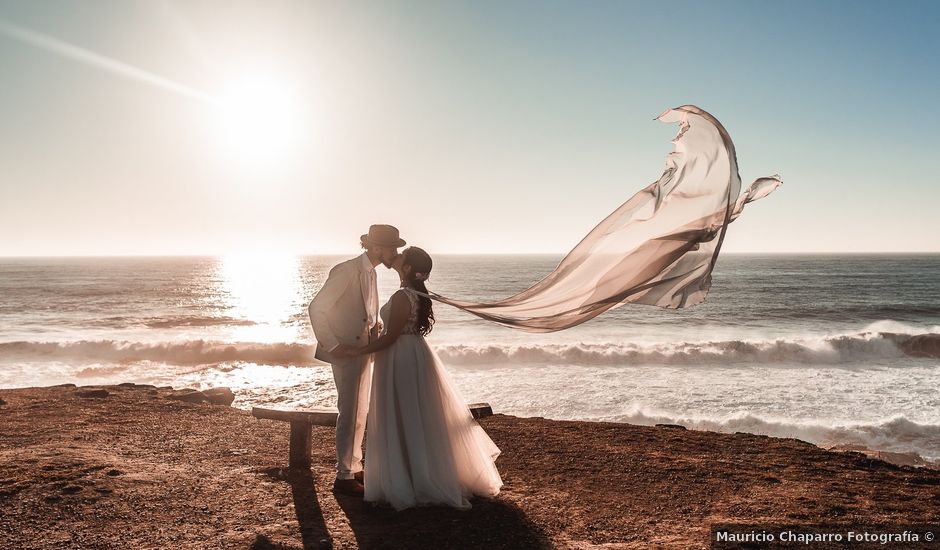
{"x":306,"y":254}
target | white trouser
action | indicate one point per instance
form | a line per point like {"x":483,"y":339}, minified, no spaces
{"x":353,"y":378}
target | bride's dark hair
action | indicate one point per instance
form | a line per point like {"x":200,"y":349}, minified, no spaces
{"x":421,"y":264}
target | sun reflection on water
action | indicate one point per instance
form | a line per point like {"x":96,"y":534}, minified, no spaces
{"x":266,"y":289}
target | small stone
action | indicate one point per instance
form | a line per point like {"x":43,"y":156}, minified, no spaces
{"x":2,"y":402}
{"x":114,"y":473}
{"x":235,"y":452}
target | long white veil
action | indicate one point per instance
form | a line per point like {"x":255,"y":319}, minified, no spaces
{"x":658,"y":248}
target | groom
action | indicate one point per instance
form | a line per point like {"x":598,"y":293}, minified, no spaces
{"x":344,"y":314}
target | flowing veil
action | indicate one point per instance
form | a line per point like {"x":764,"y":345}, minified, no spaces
{"x":658,"y":248}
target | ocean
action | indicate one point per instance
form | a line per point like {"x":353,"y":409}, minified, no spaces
{"x":831,"y":349}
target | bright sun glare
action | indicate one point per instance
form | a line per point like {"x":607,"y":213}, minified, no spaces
{"x":258,"y":119}
{"x":264,"y":289}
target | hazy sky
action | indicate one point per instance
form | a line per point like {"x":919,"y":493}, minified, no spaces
{"x":472,"y":126}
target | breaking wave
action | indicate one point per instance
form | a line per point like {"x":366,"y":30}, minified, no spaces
{"x":895,"y":434}
{"x":191,"y":352}
{"x":829,"y":350}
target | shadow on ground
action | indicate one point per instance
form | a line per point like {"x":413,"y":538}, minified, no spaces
{"x":491,"y":523}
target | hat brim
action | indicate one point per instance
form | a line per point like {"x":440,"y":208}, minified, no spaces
{"x":365,"y":238}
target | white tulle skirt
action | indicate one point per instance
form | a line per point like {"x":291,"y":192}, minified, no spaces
{"x":422,"y":444}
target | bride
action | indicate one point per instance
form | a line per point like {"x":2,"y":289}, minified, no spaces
{"x":423,"y":445}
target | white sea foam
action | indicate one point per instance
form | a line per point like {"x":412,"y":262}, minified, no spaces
{"x":189,"y":352}
{"x":896,"y":434}
{"x":827,"y":350}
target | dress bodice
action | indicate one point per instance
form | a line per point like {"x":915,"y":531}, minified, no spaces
{"x":411,"y":325}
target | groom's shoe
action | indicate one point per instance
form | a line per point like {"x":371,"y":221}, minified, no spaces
{"x":359,"y":476}
{"x":350,"y":487}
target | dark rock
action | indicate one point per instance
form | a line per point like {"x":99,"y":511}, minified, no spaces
{"x":673,"y":426}
{"x":114,"y":473}
{"x":165,"y":388}
{"x":480,"y":410}
{"x":64,"y":386}
{"x":132,"y":385}
{"x":220,"y":396}
{"x":189,"y":396}
{"x":2,"y":402}
{"x":926,"y":481}
{"x":94,"y":393}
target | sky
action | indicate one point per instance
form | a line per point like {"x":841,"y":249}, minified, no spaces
{"x":210,"y":127}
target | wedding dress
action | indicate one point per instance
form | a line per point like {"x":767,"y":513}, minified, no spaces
{"x":422,"y":444}
{"x":658,"y":248}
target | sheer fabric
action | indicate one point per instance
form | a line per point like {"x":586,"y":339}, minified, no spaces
{"x":658,"y":248}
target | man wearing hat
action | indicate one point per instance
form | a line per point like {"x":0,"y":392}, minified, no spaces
{"x":345,"y":313}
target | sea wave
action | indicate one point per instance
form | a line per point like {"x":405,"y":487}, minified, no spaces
{"x":177,"y":321}
{"x":828,"y":350}
{"x":196,"y":321}
{"x":190,"y":352}
{"x":895,"y":434}
{"x":825,"y":350}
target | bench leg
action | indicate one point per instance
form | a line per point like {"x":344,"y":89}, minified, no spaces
{"x":300,"y":444}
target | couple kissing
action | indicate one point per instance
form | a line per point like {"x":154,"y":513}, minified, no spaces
{"x":424,"y":447}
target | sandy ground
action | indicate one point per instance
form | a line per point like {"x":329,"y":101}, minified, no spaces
{"x":134,"y":469}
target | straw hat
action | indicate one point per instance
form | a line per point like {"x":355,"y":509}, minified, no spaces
{"x":383,"y":235}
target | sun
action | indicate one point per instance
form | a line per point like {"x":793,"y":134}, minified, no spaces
{"x":258,"y":119}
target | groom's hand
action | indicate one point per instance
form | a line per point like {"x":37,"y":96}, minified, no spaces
{"x":343,"y":351}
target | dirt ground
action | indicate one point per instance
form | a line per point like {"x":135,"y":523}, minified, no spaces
{"x":134,"y":469}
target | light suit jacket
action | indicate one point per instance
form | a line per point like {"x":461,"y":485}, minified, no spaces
{"x":338,"y":311}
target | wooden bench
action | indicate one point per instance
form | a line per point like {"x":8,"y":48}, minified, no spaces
{"x":301,"y":422}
